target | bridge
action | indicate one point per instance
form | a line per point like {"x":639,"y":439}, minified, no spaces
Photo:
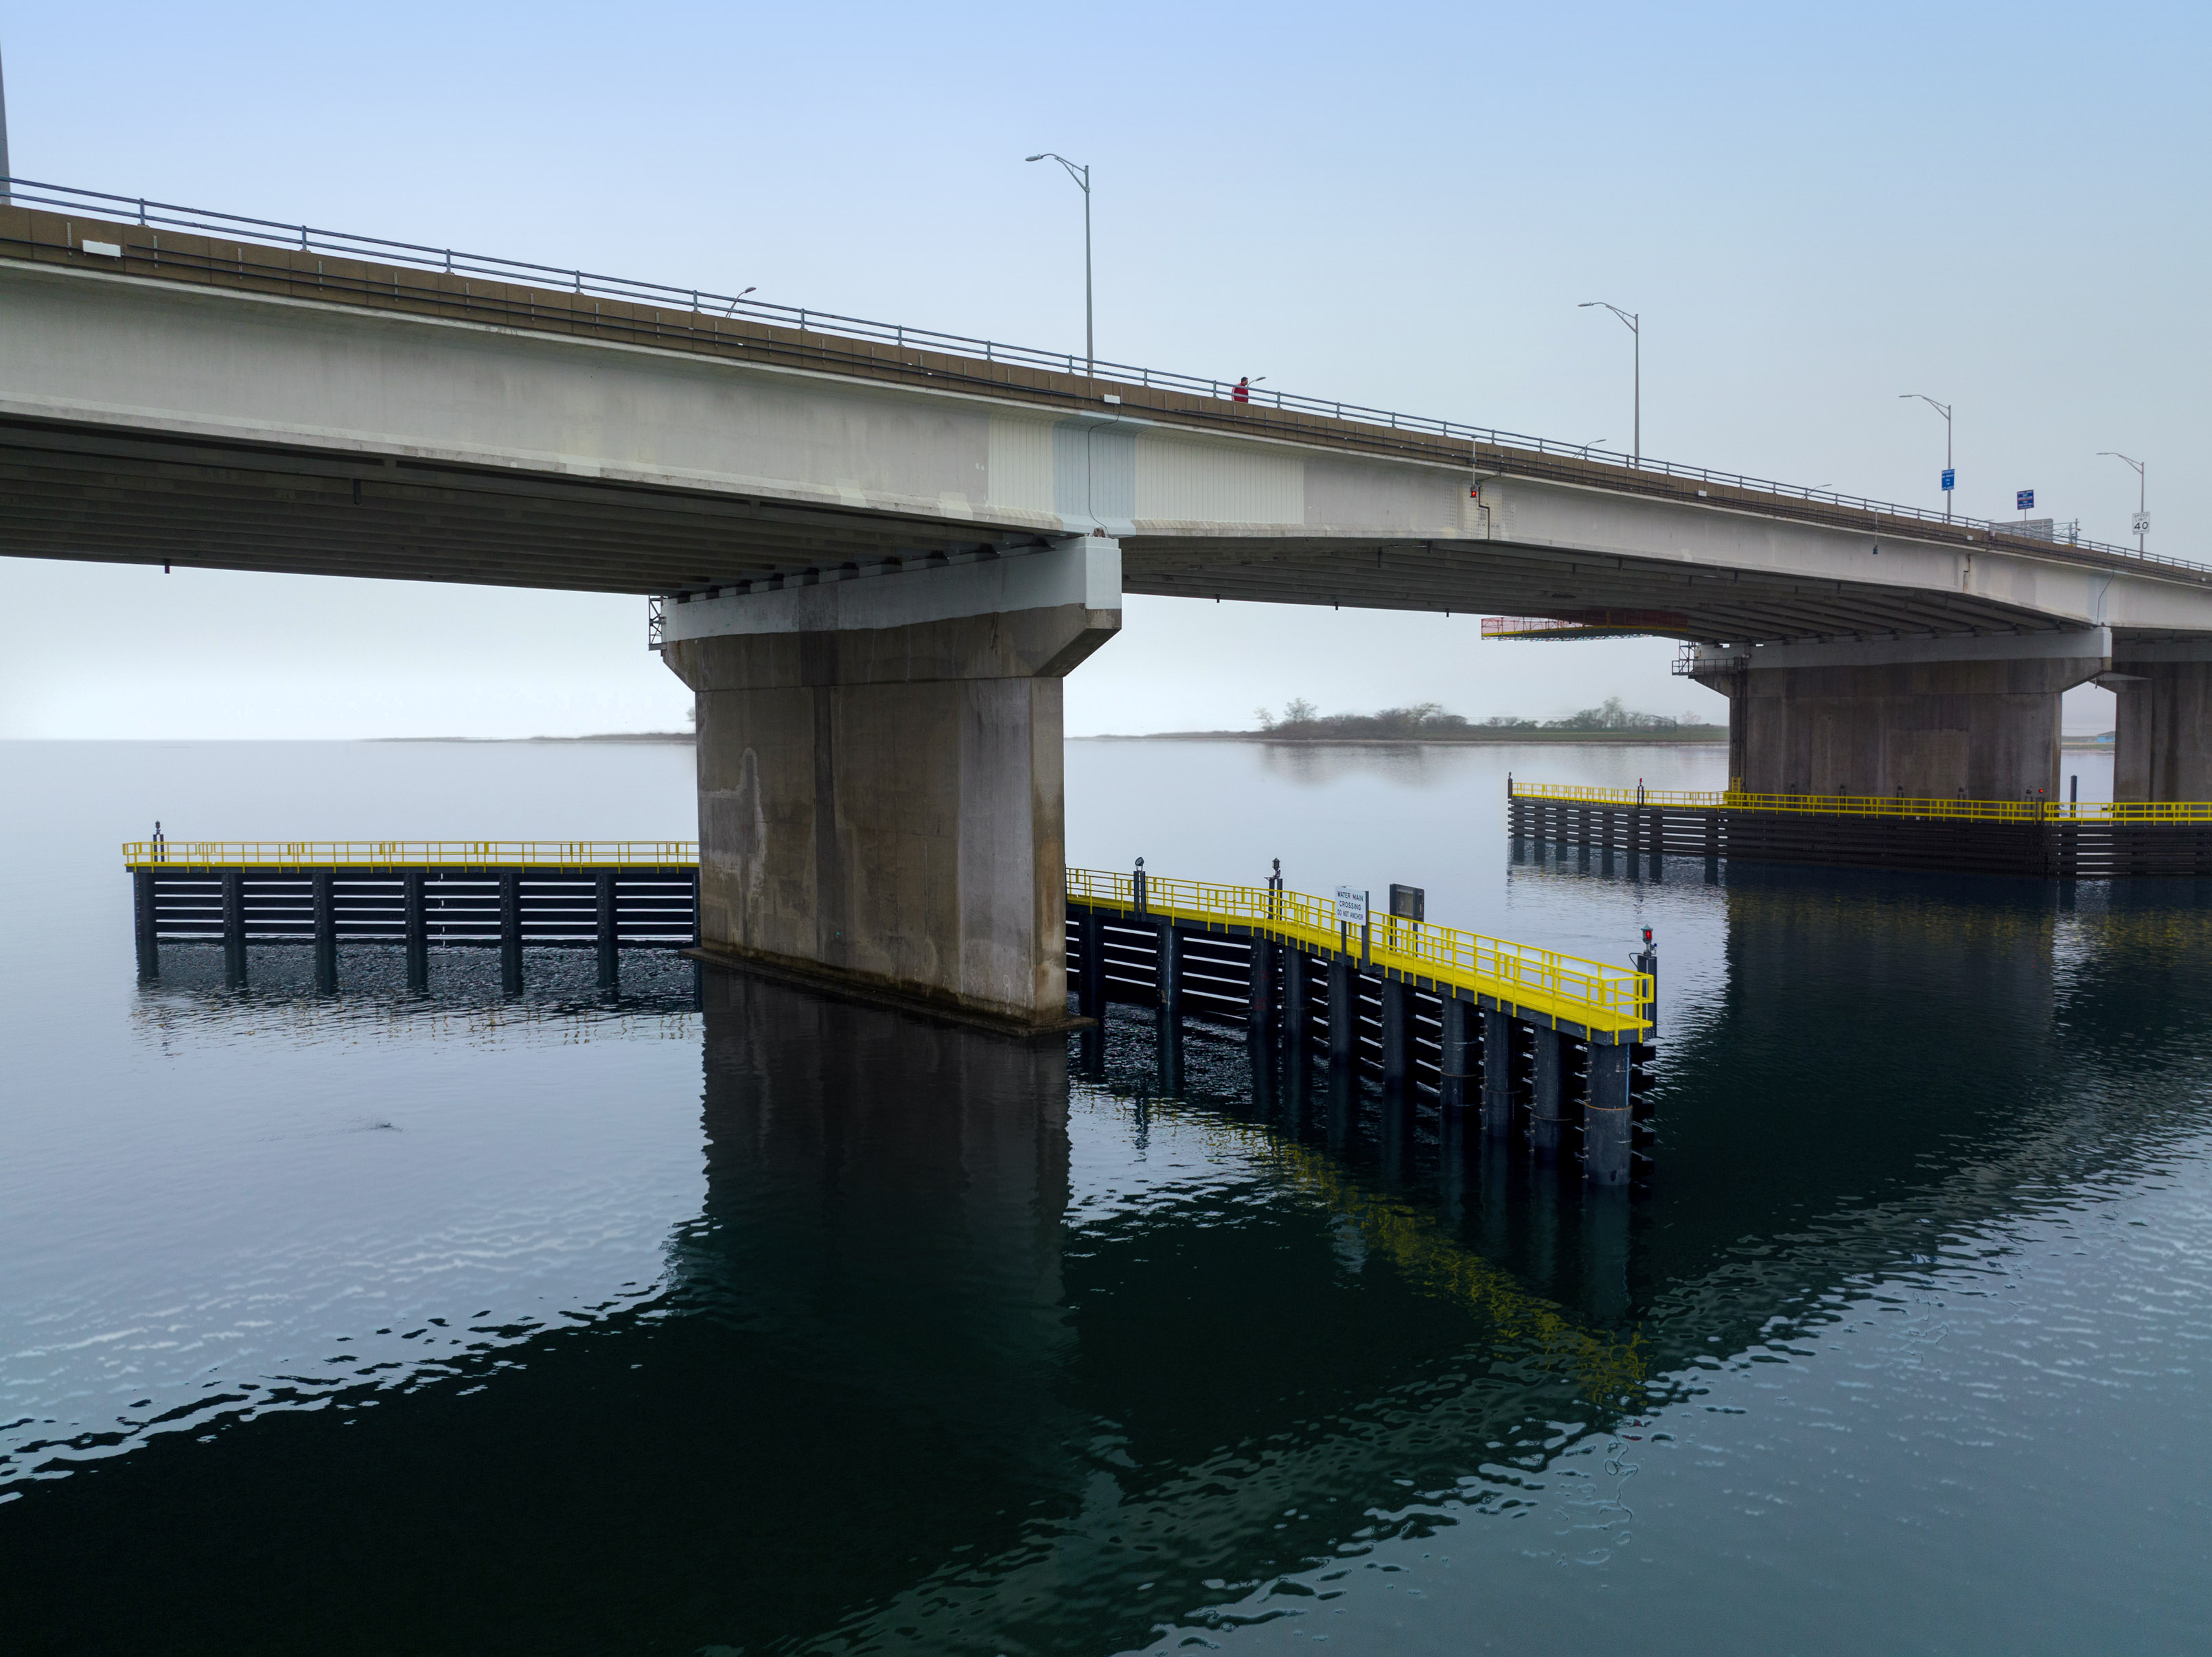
{"x":873,"y":551}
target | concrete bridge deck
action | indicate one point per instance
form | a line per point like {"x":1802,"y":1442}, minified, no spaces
{"x":199,"y":398}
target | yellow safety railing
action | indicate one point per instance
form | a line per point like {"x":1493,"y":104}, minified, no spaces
{"x":1534,"y":982}
{"x":1881,"y":805}
{"x":1619,"y":796}
{"x":408,"y":854}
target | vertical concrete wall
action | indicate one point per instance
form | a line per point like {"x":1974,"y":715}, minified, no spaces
{"x":1989,"y":730}
{"x":883,"y":807}
{"x":2162,"y":741}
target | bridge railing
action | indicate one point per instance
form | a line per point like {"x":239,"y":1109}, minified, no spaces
{"x":1588,"y":993}
{"x":1881,"y":805}
{"x":370,"y":854}
{"x":345,"y":244}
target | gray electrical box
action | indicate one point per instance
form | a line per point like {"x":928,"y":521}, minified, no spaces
{"x":1408,"y":902}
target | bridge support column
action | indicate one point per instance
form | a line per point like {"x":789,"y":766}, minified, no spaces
{"x":1926,"y":718}
{"x":2162,"y":741}
{"x":880,"y":800}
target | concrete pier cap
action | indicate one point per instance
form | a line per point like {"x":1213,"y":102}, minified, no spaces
{"x":881,"y":798}
{"x":1974,"y":715}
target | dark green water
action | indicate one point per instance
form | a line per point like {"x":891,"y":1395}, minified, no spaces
{"x":580,"y":1325}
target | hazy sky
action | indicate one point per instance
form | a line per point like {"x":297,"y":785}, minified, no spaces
{"x":1814,"y":210}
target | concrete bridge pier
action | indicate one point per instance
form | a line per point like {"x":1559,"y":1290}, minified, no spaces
{"x":2162,"y":741}
{"x":1974,"y":716}
{"x":880,"y":788}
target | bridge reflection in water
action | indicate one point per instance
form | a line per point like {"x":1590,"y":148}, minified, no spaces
{"x":964,"y":1352}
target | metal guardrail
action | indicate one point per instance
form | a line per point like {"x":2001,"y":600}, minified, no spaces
{"x":1566,"y":987}
{"x":185,"y":856}
{"x":33,"y":193}
{"x":1879,"y":805}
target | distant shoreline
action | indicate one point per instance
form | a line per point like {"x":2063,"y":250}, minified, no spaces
{"x":603,"y":736}
{"x":1694,"y":737}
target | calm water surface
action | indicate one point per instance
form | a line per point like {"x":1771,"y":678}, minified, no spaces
{"x":760,"y":1322}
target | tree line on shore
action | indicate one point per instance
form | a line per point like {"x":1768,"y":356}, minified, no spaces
{"x":1300,"y":718}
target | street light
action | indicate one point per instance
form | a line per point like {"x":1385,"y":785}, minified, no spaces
{"x":1950,"y":475}
{"x":2142,"y":518}
{"x":1633,"y":322}
{"x":1082,"y":177}
{"x":4,"y":174}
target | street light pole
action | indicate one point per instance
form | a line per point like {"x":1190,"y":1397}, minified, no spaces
{"x":1633,"y":322}
{"x":1949,"y":471}
{"x":6,"y":173}
{"x":1082,"y":177}
{"x":2142,"y":513}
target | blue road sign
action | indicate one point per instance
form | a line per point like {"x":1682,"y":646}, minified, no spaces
{"x":2024,"y":501}
{"x":1950,"y":477}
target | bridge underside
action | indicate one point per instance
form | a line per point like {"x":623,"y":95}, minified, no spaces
{"x":91,"y":494}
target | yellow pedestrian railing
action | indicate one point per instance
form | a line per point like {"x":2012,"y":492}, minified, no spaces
{"x":188,"y":855}
{"x":1538,"y":984}
{"x":1881,"y":805}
